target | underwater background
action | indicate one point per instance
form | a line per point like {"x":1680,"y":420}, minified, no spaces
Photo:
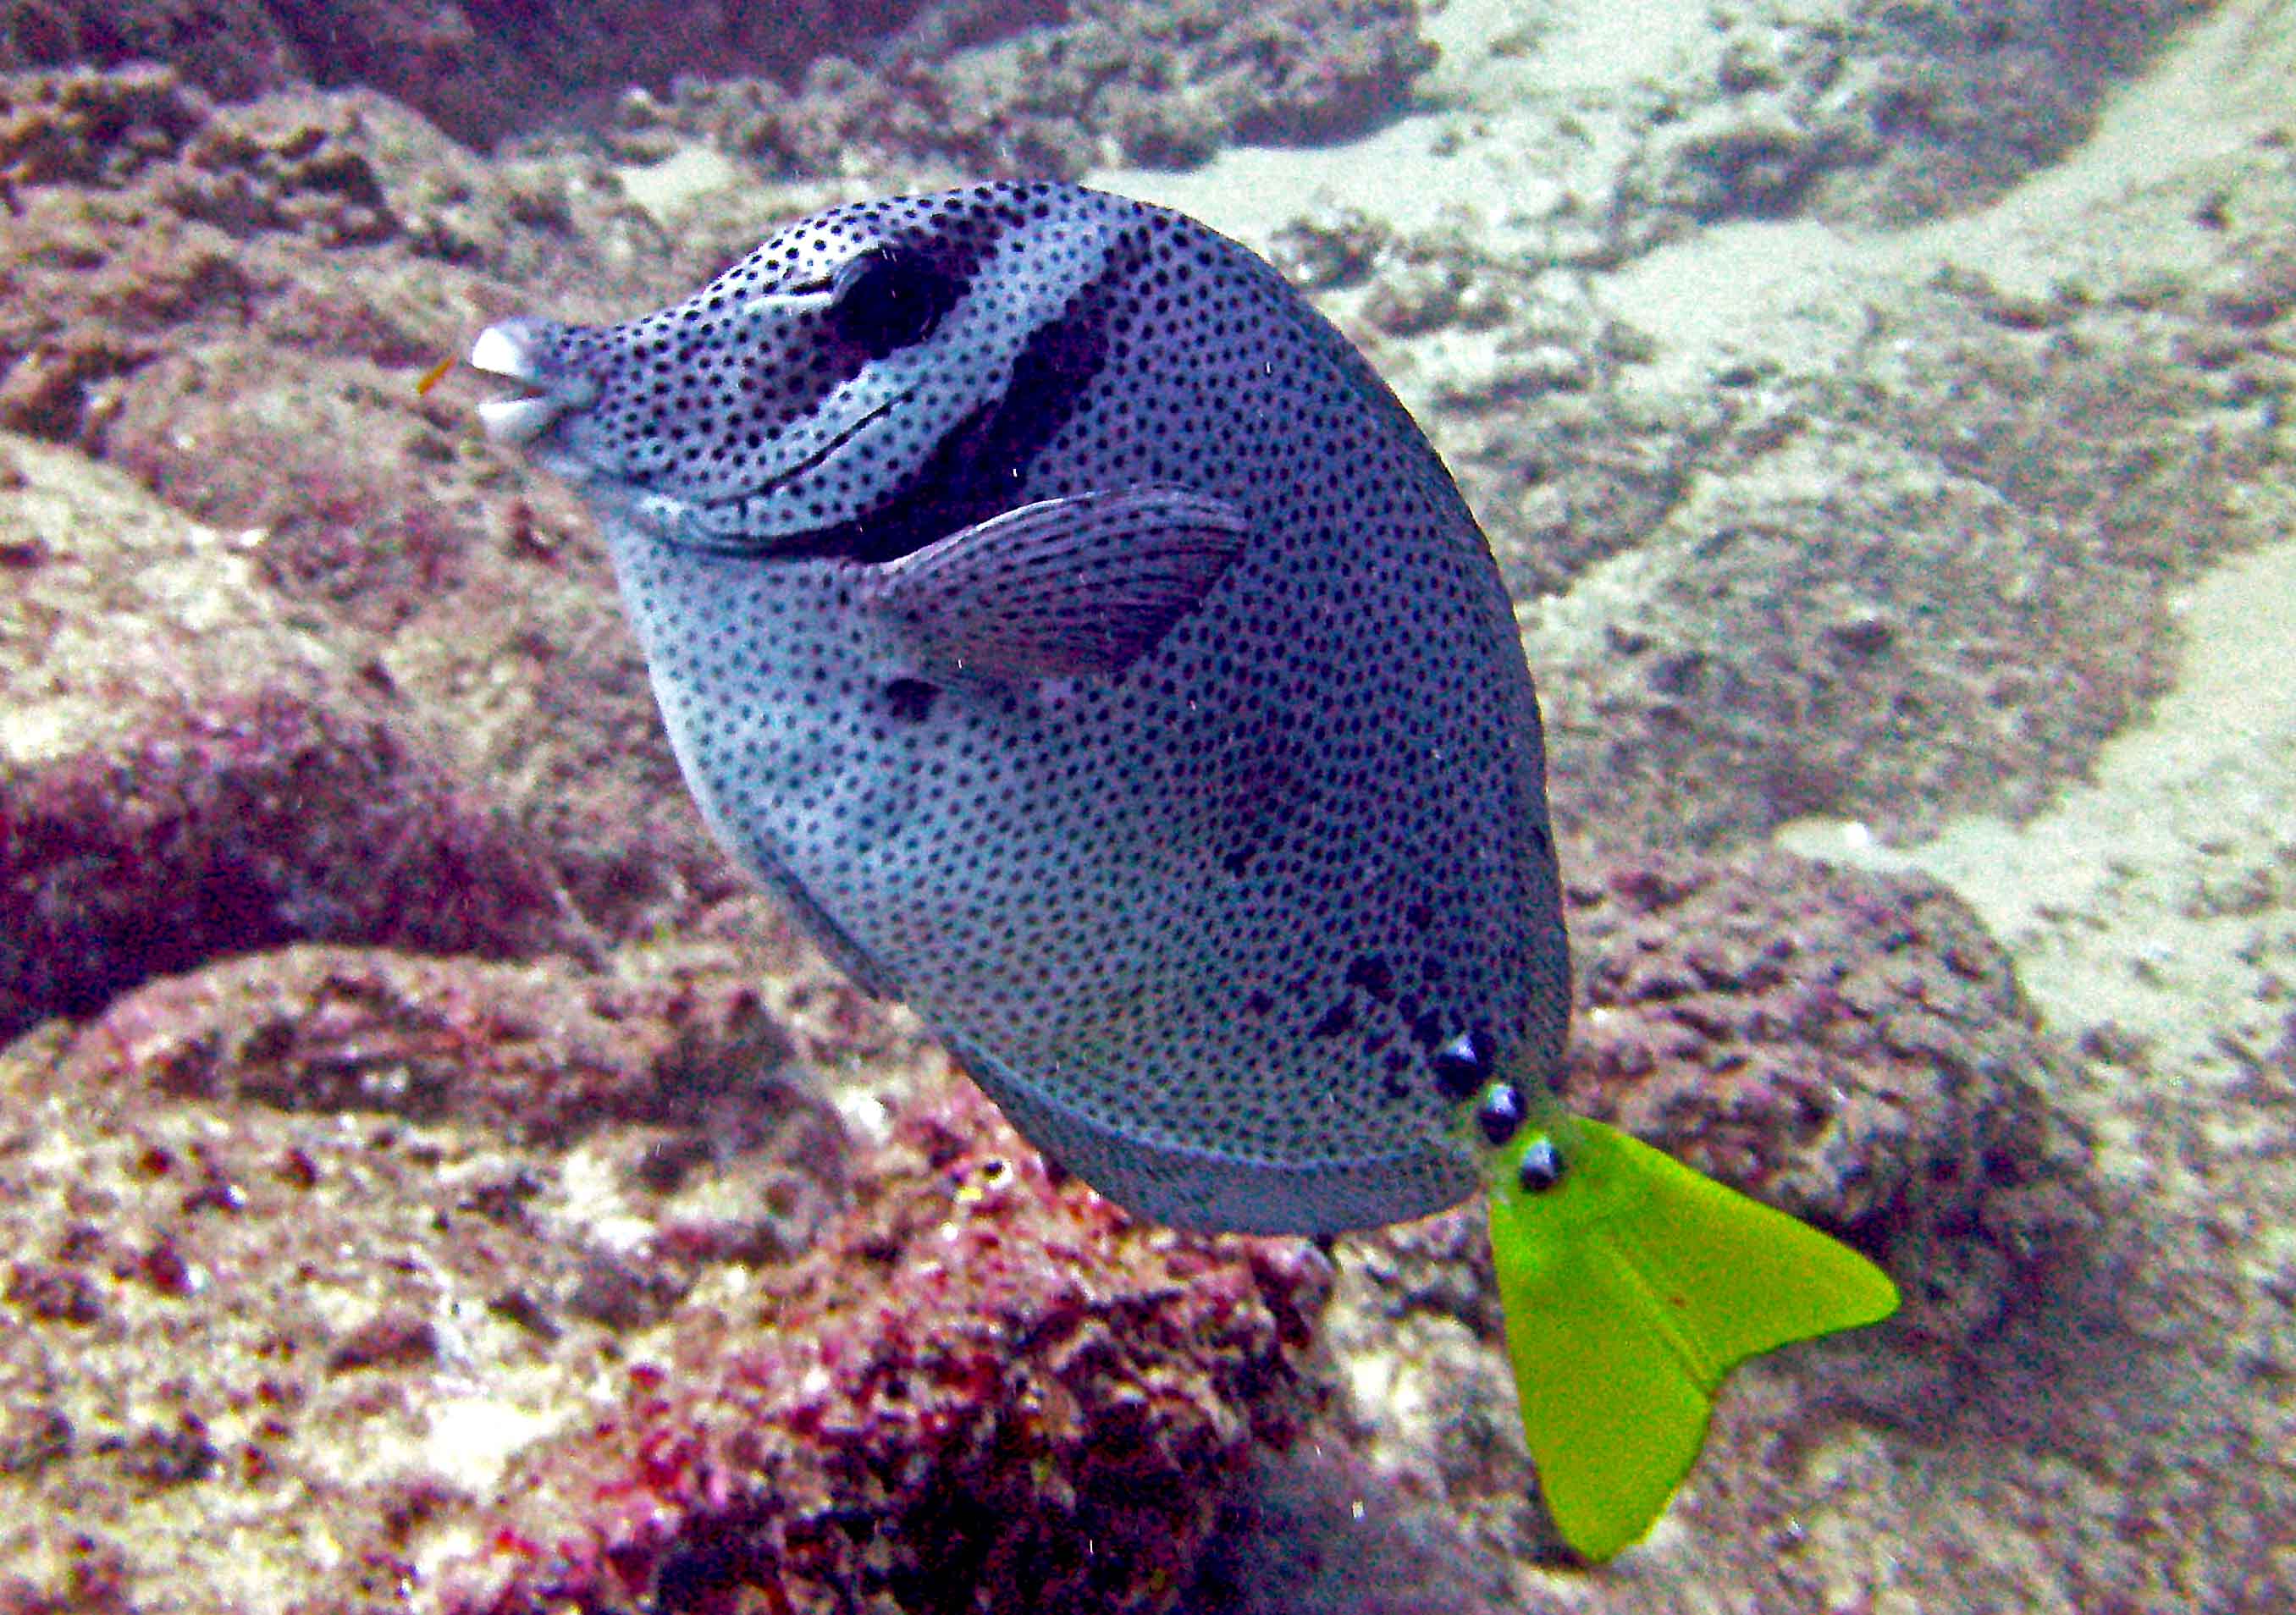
{"x":431,"y":1178}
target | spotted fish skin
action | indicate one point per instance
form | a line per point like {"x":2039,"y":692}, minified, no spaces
{"x":1073,"y":631}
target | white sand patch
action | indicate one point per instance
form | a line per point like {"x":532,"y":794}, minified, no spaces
{"x":1611,"y":46}
{"x":2155,"y":896}
{"x":1749,"y":286}
{"x":664,"y":188}
{"x":1401,"y":174}
{"x":473,"y":1438}
{"x":1496,"y":138}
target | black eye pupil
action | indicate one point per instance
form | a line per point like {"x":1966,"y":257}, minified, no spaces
{"x":892,"y":298}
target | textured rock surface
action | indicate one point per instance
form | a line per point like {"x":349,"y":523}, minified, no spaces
{"x":243,"y":820}
{"x":1878,"y":113}
{"x":328,"y":1329}
{"x":1852,"y":1047}
{"x":185,"y":772}
{"x":540,"y":1054}
{"x":1841,"y":627}
{"x":480,"y":70}
{"x":1112,"y":81}
{"x":402,"y":1354}
{"x":177,"y":320}
{"x":1155,"y":81}
{"x":986,"y":1391}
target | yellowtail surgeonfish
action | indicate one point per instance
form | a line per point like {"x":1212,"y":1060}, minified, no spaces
{"x":1065,"y":623}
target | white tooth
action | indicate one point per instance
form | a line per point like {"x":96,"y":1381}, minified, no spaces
{"x":499,"y":353}
{"x":516,"y":419}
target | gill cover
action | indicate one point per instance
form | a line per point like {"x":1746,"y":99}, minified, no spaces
{"x":1631,"y":1288}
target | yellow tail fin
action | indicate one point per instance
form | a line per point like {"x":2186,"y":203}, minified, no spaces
{"x":1632,"y":1286}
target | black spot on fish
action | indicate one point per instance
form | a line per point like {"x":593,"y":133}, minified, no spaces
{"x":1501,"y":1113}
{"x":1336,"y":1022}
{"x":1374,"y":975}
{"x":910,"y":699}
{"x":1542,"y":1166}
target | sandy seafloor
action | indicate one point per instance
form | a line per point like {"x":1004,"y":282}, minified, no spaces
{"x":2126,"y":1443}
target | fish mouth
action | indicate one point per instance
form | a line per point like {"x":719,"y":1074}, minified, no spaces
{"x":525,"y":354}
{"x":507,"y":353}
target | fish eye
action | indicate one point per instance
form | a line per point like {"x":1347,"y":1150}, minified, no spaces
{"x":1542,"y":1166}
{"x":889,"y":298}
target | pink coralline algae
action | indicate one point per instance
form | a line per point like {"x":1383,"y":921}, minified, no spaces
{"x":987,"y":1390}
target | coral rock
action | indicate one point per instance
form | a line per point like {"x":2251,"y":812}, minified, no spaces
{"x":224,"y":1296}
{"x":541,"y":1052}
{"x":1849,"y":1046}
{"x":257,"y":820}
{"x":988,"y":1389}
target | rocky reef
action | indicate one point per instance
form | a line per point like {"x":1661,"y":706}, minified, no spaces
{"x":1854,"y":1048}
{"x":482,"y":71}
{"x":532,"y":1288}
{"x":428,"y":1178}
{"x":551,"y":1286}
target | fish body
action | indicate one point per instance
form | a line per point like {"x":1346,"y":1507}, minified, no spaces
{"x":1202,"y":910}
{"x":1068,"y":625}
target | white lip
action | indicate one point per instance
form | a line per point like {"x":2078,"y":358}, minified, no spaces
{"x":517,"y":419}
{"x":500,"y":352}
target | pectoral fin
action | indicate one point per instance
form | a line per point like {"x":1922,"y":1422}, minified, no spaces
{"x":1631,"y":1287}
{"x":1077,"y":588}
